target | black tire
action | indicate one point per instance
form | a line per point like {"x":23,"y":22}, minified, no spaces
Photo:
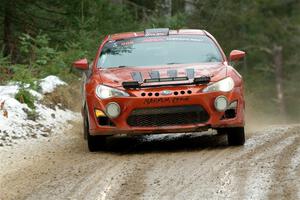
{"x":85,"y":127}
{"x":95,"y":143}
{"x":236,"y":136}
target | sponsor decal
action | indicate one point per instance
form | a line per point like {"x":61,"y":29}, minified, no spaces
{"x":165,"y":100}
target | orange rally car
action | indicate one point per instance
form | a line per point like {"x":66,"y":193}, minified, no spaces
{"x":161,"y":81}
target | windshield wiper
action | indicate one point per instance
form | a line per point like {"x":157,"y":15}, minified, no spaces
{"x":173,"y":63}
{"x":121,"y":66}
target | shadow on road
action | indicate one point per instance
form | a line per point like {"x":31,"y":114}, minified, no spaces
{"x":163,"y":143}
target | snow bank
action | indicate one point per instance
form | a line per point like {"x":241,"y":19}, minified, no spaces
{"x":15,"y":120}
{"x":49,"y":83}
{"x":8,"y":90}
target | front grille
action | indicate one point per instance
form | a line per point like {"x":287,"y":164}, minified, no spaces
{"x":167,"y":116}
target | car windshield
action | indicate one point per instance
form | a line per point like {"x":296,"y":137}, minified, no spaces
{"x":159,"y":50}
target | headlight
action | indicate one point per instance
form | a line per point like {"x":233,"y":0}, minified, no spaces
{"x":105,"y":92}
{"x":224,"y":85}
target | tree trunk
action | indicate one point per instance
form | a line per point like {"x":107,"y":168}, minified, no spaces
{"x":117,"y":1}
{"x":168,"y":8}
{"x":165,"y":8}
{"x":277,"y":59}
{"x":8,"y":39}
{"x":189,"y":7}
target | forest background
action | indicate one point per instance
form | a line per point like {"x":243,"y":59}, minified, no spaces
{"x":43,"y":37}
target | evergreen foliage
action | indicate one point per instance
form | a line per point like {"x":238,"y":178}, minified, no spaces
{"x":44,"y":37}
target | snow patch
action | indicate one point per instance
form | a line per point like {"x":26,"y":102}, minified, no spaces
{"x":49,"y":83}
{"x":8,"y":90}
{"x":37,"y":95}
{"x":16,"y":122}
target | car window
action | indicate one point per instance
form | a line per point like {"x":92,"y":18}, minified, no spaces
{"x":163,"y":50}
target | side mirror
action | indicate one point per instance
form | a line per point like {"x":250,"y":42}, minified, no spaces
{"x":81,"y":64}
{"x":236,"y":55}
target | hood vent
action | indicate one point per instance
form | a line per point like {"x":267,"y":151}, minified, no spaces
{"x":137,"y":76}
{"x":154,"y":74}
{"x":190,"y":73}
{"x":172,"y":73}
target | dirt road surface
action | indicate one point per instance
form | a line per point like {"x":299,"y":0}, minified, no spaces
{"x":185,"y":166}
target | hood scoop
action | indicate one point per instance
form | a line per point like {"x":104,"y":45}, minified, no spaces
{"x":136,"y":84}
{"x":190,"y":73}
{"x":154,"y":74}
{"x":162,"y":75}
{"x":173,"y":73}
{"x":137,"y":76}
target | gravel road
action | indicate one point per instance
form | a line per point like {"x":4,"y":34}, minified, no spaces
{"x":185,"y":166}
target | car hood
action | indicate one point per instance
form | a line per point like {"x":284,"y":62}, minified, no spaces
{"x":114,"y":77}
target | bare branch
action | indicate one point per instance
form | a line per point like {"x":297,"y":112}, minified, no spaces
{"x":260,"y":48}
{"x":49,"y":10}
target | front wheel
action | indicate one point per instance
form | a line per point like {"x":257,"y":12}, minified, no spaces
{"x":235,"y":135}
{"x":95,"y":143}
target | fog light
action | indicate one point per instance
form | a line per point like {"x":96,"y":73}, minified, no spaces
{"x":99,"y":113}
{"x":221,"y":103}
{"x":113,"y":110}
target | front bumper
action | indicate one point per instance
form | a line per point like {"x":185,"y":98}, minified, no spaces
{"x":141,"y":100}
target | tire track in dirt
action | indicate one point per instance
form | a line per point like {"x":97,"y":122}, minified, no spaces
{"x":206,"y":165}
{"x":243,"y":163}
{"x":72,"y":180}
{"x":134,"y":185}
{"x":282,"y":187}
{"x":92,"y":180}
{"x":230,"y":161}
{"x":176,"y":167}
{"x":255,"y":174}
{"x":176,"y":171}
{"x":29,"y":169}
{"x":104,"y":182}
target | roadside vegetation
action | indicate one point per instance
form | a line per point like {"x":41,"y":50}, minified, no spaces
{"x":40,"y":38}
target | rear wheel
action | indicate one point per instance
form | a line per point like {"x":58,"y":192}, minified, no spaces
{"x":235,"y":135}
{"x":95,"y":143}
